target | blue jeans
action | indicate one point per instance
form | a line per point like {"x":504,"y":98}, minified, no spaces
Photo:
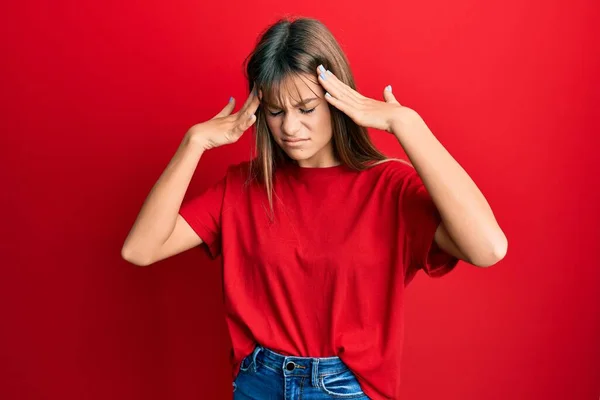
{"x":267,"y":375}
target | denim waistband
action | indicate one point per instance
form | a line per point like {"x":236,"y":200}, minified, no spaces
{"x":297,"y":366}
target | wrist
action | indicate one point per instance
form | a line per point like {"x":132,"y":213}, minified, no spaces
{"x":405,"y":120}
{"x":194,"y":143}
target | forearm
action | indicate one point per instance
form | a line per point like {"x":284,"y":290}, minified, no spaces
{"x":157,"y":217}
{"x":465,"y":212}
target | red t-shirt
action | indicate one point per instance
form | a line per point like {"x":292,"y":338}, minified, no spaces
{"x":326,"y":277}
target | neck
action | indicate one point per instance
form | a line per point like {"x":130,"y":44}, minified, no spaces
{"x":322,"y":163}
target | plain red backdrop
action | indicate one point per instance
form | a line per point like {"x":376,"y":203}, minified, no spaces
{"x":97,"y":96}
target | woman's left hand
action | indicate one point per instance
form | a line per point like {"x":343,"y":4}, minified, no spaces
{"x":363,"y":110}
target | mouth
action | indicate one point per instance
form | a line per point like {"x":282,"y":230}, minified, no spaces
{"x":294,"y":142}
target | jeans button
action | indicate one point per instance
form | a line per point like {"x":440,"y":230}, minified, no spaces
{"x":290,"y":366}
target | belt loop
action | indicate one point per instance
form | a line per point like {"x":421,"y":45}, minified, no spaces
{"x":256,"y":351}
{"x":315,"y":372}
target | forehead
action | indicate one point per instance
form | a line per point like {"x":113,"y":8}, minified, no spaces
{"x":292,"y":89}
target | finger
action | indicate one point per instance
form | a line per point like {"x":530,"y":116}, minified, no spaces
{"x":251,"y":103}
{"x":227,"y":109}
{"x":335,"y":87}
{"x":243,"y":126}
{"x":389,"y":96}
{"x":337,"y":103}
{"x":249,"y":108}
{"x":327,"y":81}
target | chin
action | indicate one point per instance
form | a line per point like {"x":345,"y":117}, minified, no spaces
{"x":299,"y":155}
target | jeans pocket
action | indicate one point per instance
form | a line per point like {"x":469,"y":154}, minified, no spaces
{"x":343,"y":385}
{"x":246,"y":363}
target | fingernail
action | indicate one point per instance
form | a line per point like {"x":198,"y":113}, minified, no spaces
{"x":327,"y":94}
{"x":230,"y":98}
{"x":388,"y":88}
{"x":321,"y":68}
{"x":323,"y":76}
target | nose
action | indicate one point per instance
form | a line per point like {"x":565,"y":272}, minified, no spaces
{"x":290,"y":125}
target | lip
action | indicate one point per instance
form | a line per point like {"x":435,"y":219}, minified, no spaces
{"x":294,"y":142}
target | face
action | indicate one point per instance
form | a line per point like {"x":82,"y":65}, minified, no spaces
{"x":302,"y":130}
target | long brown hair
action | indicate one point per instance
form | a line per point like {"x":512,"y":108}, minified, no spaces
{"x":295,"y":46}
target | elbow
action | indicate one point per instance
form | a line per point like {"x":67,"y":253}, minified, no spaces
{"x":134,"y":257}
{"x":496,"y":253}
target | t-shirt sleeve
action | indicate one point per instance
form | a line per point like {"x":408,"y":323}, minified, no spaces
{"x":203,"y":214}
{"x":421,"y":219}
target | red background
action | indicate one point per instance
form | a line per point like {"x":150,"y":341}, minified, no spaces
{"x":97,"y":97}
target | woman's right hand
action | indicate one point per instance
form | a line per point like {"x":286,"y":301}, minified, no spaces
{"x":225,"y":128}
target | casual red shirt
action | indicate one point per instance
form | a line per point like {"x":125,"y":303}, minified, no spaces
{"x":326,"y":277}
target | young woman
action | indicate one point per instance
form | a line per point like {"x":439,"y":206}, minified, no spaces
{"x":320,"y":232}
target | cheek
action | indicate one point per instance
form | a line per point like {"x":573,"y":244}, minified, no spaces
{"x":323,"y":127}
{"x":272,"y":125}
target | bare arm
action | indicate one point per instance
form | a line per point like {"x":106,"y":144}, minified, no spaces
{"x":159,"y":216}
{"x":159,"y":231}
{"x":470,"y":230}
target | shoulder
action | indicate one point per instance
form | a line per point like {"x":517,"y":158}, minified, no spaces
{"x":241,"y":178}
{"x":239,"y":171}
{"x":394,"y":169}
{"x":398,"y":176}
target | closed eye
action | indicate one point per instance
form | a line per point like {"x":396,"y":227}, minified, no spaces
{"x":301,"y":110}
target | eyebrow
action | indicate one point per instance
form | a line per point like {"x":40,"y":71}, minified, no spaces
{"x":301,"y":102}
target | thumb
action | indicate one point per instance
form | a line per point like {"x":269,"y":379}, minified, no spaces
{"x":227,"y":109}
{"x":388,"y":95}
